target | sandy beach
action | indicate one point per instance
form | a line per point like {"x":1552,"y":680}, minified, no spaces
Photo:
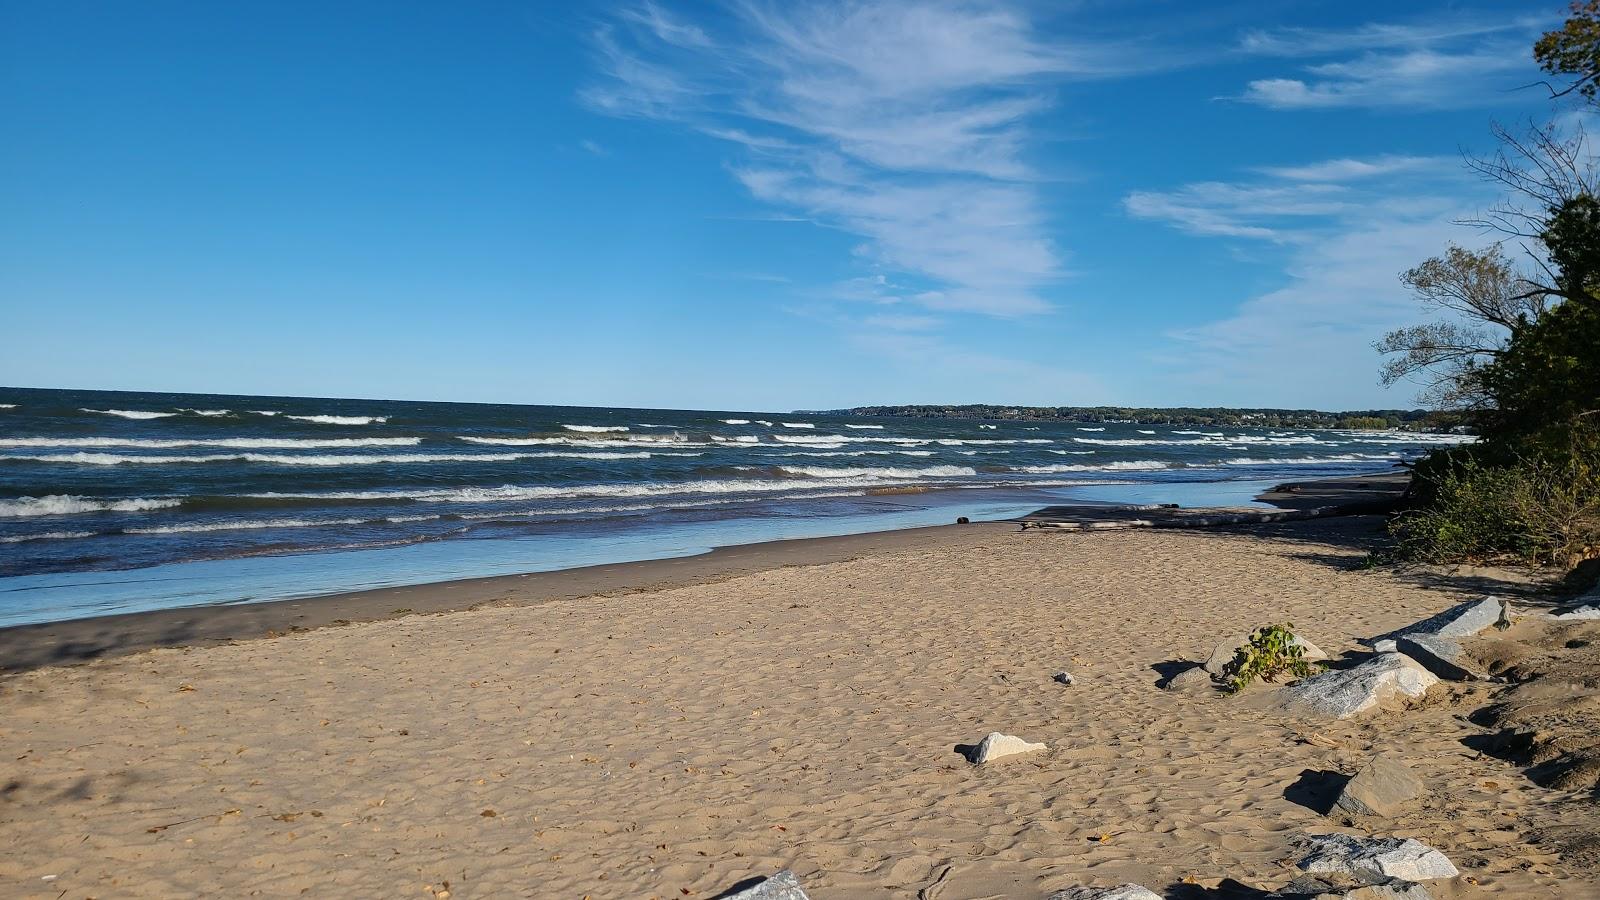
{"x":673,"y":739}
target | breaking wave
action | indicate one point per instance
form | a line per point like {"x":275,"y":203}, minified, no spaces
{"x":341,"y":420}
{"x":239,"y":443}
{"x":130,"y":413}
{"x":67,"y":504}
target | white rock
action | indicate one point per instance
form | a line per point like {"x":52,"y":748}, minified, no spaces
{"x":996,"y":746}
{"x":1340,"y":694}
{"x":1460,"y":621}
{"x":782,"y":886}
{"x":1579,"y":614}
{"x":1120,"y":892}
{"x":1385,"y":645}
{"x":1374,"y":860}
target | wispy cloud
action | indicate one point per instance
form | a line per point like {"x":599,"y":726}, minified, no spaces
{"x":1437,"y":65}
{"x":906,"y":125}
{"x":1353,"y":169}
{"x":1347,"y":227}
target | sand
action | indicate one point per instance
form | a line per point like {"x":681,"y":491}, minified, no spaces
{"x":672,"y":742}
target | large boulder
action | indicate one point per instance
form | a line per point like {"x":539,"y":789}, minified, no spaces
{"x":1343,"y":693}
{"x":1383,"y":787}
{"x":998,"y":746}
{"x":1462,"y":620}
{"x":1441,"y":656}
{"x":1374,"y":860}
{"x":782,"y":886}
{"x":1120,"y":892}
{"x":1226,"y":651}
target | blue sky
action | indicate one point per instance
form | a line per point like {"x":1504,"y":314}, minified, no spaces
{"x":748,"y":205}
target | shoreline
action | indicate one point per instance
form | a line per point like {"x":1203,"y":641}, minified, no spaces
{"x":75,"y":641}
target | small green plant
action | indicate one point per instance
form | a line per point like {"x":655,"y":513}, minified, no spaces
{"x":1270,"y":653}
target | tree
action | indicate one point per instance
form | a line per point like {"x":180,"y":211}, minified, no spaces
{"x":1573,"y":50}
{"x":1484,"y":301}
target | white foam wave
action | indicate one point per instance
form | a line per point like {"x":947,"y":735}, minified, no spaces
{"x":267,"y":412}
{"x":45,"y":536}
{"x":736,"y":421}
{"x":988,"y":427}
{"x":1091,"y":429}
{"x":1203,"y":433}
{"x":854,"y":453}
{"x":341,"y":420}
{"x":238,"y":443}
{"x":879,"y":472}
{"x":130,"y":413}
{"x":347,"y":459}
{"x":799,"y":425}
{"x":595,"y":429}
{"x":208,"y":413}
{"x":632,"y":440}
{"x":8,"y":406}
{"x":68,"y":504}
{"x":1304,"y":460}
{"x":510,"y":492}
{"x":253,"y":524}
{"x":866,"y":427}
{"x":1137,"y":465}
{"x":1142,"y":431}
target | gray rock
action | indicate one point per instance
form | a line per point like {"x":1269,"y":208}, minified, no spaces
{"x":782,"y":886}
{"x":1579,"y":614}
{"x":1064,"y":678}
{"x":1195,"y":680}
{"x":1374,"y":860}
{"x":1224,"y":653}
{"x":1120,"y":892}
{"x":1340,"y":694}
{"x":1383,"y":787}
{"x":1462,"y":620}
{"x":997,"y":746}
{"x":1385,"y":645}
{"x":1441,"y":656}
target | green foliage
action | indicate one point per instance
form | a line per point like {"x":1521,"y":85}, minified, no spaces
{"x":1270,"y":654}
{"x":1533,"y":510}
{"x":1574,"y":49}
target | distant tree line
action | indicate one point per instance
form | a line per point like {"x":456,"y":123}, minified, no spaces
{"x":1227,"y":417}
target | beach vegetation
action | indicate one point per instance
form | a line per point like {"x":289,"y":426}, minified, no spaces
{"x":1514,"y":349}
{"x":1271,"y":653}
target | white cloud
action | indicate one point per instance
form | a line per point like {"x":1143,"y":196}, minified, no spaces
{"x":906,"y":125}
{"x":1352,"y":169}
{"x":1450,"y":64}
{"x":1349,"y":227}
{"x":1232,"y":210}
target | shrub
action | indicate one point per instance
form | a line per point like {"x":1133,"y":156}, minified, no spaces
{"x":1534,"y":510}
{"x":1271,"y":653}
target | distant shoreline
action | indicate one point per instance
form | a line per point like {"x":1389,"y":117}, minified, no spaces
{"x":73,"y":641}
